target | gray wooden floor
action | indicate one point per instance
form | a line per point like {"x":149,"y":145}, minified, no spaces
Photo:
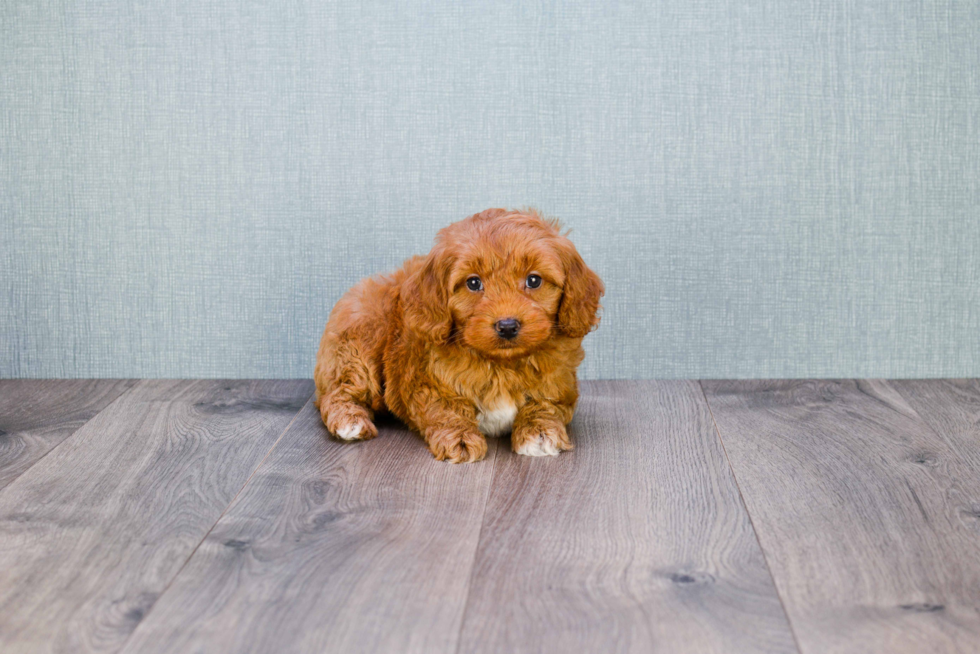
{"x":748,"y":516}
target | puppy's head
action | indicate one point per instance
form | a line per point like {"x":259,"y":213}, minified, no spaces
{"x":503,"y":283}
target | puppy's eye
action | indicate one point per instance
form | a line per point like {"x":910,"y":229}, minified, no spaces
{"x":474,"y":283}
{"x":533,"y":281}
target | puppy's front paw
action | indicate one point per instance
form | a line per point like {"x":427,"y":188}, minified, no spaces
{"x":456,"y":446}
{"x":350,"y":422}
{"x":540,"y":439}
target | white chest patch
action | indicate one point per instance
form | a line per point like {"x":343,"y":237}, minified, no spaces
{"x":498,"y":421}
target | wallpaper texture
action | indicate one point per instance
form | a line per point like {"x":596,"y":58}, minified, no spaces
{"x":769,"y":189}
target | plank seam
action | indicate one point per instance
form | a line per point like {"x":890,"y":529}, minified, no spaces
{"x":476,"y":550}
{"x":748,"y":514}
{"x":223,"y":512}
{"x":72,"y":435}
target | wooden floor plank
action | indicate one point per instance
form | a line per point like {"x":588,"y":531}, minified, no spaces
{"x":94,"y":532}
{"x":37,"y":414}
{"x":636,"y":541}
{"x":332,"y":547}
{"x":859,"y":508}
{"x":952,"y":408}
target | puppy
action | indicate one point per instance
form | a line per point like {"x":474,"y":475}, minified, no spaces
{"x":480,"y":338}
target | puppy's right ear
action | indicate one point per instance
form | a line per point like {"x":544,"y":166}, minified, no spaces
{"x":425,"y":298}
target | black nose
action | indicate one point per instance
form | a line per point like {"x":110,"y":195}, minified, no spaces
{"x":507,"y":328}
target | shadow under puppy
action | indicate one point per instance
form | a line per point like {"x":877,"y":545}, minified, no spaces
{"x":480,"y":337}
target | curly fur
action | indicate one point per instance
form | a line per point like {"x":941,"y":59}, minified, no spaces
{"x":420,"y":344}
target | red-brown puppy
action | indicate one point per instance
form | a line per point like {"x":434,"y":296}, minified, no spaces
{"x":482,"y":336}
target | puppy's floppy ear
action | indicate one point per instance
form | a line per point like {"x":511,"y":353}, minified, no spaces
{"x":578,"y":313}
{"x":425,"y":297}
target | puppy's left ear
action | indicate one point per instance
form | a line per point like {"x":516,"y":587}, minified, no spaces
{"x":578,"y":313}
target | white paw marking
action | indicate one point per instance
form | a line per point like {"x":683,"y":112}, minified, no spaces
{"x":497,"y":421}
{"x":350,"y":432}
{"x":538,"y":447}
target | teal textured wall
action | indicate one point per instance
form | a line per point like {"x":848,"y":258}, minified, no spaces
{"x":768,"y":189}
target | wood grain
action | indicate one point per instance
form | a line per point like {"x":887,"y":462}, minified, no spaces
{"x":332,"y":547}
{"x":37,"y":414}
{"x":93,"y":533}
{"x":636,"y":541}
{"x":858,"y":505}
{"x":952,"y":408}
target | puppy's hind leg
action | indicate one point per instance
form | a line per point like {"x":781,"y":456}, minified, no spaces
{"x":346,"y":390}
